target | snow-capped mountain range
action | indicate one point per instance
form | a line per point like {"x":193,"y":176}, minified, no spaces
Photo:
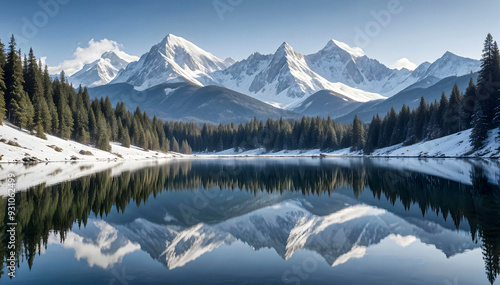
{"x":173,"y":60}
{"x":101,"y":71}
{"x":284,"y":79}
{"x":290,"y":226}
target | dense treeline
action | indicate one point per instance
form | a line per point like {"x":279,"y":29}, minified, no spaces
{"x":35,"y":102}
{"x":478,"y":108}
{"x":308,"y":133}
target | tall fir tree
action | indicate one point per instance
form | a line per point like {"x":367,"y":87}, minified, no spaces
{"x":3,"y":57}
{"x":480,"y":127}
{"x":421,"y":119}
{"x":467,"y":106}
{"x":489,"y":78}
{"x":2,"y":96}
{"x":20,"y":109}
{"x":102,"y":133}
{"x":175,"y":146}
{"x":389,"y":124}
{"x":372,"y":138}
{"x":452,"y":112}
{"x":358,"y":133}
{"x":401,"y":129}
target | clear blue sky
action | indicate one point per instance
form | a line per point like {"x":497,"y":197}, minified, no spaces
{"x":421,"y":30}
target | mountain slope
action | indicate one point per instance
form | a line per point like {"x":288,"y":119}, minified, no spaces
{"x":452,"y":65}
{"x":337,"y":62}
{"x":101,"y":71}
{"x":410,"y":97}
{"x":189,"y":102}
{"x":174,"y":59}
{"x":326,"y":103}
{"x":283,"y":79}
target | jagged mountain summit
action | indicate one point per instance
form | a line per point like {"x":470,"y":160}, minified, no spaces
{"x":101,"y":71}
{"x":173,"y":60}
{"x":338,"y":62}
{"x":451,"y":64}
{"x":283,"y":79}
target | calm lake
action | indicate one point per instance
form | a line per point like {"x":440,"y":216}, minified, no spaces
{"x":262,"y":221}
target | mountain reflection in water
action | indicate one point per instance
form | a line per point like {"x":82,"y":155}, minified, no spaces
{"x":335,"y":208}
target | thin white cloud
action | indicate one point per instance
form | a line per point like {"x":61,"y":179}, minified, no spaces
{"x":404,"y":63}
{"x":90,"y":54}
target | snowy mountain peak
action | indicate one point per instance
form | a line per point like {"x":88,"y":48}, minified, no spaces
{"x":103,"y":70}
{"x":451,"y":64}
{"x":229,"y":61}
{"x":110,"y":55}
{"x":174,"y":59}
{"x":354,"y":51}
{"x":173,"y":41}
{"x":449,"y":54}
{"x":284,"y":50}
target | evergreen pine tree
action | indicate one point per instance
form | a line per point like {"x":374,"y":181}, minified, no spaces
{"x":2,"y":95}
{"x":390,"y":123}
{"x":357,"y":134}
{"x":18,"y":107}
{"x":489,"y":79}
{"x":39,"y":132}
{"x":452,"y":113}
{"x":372,"y":138}
{"x":421,"y":119}
{"x":175,"y":146}
{"x":3,"y":58}
{"x":480,"y":127}
{"x":102,"y":134}
{"x":401,"y":129}
{"x":185,"y":148}
{"x":467,"y":106}
{"x":92,"y":126}
{"x":124,"y":137}
{"x":51,"y":125}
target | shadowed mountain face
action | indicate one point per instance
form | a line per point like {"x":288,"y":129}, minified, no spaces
{"x":328,"y":103}
{"x":430,"y":88}
{"x":341,"y":212}
{"x":188,"y":102}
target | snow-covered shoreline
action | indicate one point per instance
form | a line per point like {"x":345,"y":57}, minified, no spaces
{"x":452,"y":146}
{"x":16,"y":144}
{"x":58,"y":166}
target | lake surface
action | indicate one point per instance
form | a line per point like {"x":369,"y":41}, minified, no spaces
{"x":263,"y":221}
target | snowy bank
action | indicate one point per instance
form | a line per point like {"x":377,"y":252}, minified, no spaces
{"x":56,"y":172}
{"x":16,"y":144}
{"x":455,"y":145}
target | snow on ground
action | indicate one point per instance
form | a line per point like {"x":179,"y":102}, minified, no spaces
{"x":56,"y":172}
{"x":122,"y":159}
{"x":403,"y":157}
{"x":455,"y":145}
{"x":45,"y":150}
{"x":52,"y":171}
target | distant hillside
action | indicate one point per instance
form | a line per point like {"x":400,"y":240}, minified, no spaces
{"x":326,"y":103}
{"x":189,"y":102}
{"x":410,"y":97}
